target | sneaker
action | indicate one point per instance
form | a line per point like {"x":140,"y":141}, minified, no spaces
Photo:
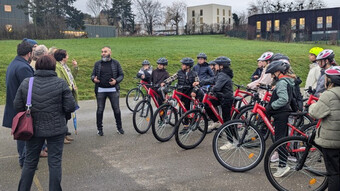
{"x":281,"y":171}
{"x":43,"y":154}
{"x":66,"y":141}
{"x":274,"y":157}
{"x":292,"y":159}
{"x":100,"y":133}
{"x":67,"y":137}
{"x":214,"y":125}
{"x":227,"y":146}
{"x":120,"y":131}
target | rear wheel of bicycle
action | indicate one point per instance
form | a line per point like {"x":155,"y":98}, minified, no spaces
{"x":133,"y":97}
{"x":238,"y":146}
{"x":247,"y":99}
{"x":191,"y":129}
{"x":308,"y":129}
{"x":163,"y":122}
{"x":142,"y":116}
{"x":287,"y":152}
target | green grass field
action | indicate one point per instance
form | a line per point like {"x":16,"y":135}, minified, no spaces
{"x":131,"y":51}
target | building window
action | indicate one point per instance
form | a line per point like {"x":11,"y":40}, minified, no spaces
{"x":277,"y":25}
{"x":193,"y":21}
{"x":329,"y":21}
{"x":258,"y":26}
{"x":193,"y":13}
{"x":223,"y":20}
{"x":218,"y":11}
{"x":229,"y":13}
{"x":9,"y":28}
{"x":269,"y":26}
{"x":258,"y":36}
{"x":302,"y":23}
{"x":319,"y":23}
{"x":229,"y":21}
{"x":201,"y":12}
{"x":8,"y":8}
{"x":201,"y":20}
{"x":293,"y":24}
{"x":223,"y":12}
{"x":218,"y":19}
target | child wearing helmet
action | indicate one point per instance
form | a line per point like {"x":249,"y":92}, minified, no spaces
{"x":213,"y":67}
{"x":279,"y":108}
{"x":328,"y":135}
{"x":158,"y":76}
{"x":325,"y":60}
{"x":314,"y":69}
{"x":202,"y":67}
{"x":256,"y":75}
{"x":145,"y":72}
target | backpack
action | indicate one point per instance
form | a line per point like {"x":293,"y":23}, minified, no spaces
{"x":295,"y":96}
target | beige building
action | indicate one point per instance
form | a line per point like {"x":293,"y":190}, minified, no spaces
{"x":209,"y":18}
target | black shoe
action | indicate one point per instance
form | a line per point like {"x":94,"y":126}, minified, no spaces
{"x":120,"y":131}
{"x":100,"y":132}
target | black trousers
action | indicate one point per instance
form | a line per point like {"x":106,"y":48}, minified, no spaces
{"x":114,"y":100}
{"x":281,"y":131}
{"x":332,"y":163}
{"x":226,"y":109}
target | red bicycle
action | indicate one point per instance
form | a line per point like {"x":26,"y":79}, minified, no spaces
{"x":135,"y":95}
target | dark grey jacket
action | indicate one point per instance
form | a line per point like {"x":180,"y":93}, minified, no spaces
{"x":51,"y":99}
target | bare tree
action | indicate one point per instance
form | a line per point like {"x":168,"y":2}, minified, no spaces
{"x":175,"y":14}
{"x":95,"y":6}
{"x":150,"y":12}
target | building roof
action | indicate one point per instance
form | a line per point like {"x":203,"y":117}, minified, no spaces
{"x":294,"y":11}
{"x":208,"y":5}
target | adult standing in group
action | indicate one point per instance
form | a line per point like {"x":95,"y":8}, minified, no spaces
{"x":17,"y":71}
{"x":107,"y":74}
{"x":51,"y":99}
{"x":202,"y":68}
{"x":69,"y":75}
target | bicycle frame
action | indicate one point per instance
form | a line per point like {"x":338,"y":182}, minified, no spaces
{"x":181,"y":105}
{"x":242,"y":93}
{"x":206,"y":100}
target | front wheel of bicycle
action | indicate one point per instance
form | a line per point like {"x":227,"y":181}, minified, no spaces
{"x":142,"y":115}
{"x":238,"y":146}
{"x":191,"y":129}
{"x":163,"y":122}
{"x":133,"y":97}
{"x":283,"y":158}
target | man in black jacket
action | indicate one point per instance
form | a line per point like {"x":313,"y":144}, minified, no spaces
{"x":107,"y":74}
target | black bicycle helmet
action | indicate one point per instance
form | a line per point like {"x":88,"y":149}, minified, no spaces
{"x":278,"y":65}
{"x":333,"y":73}
{"x":188,"y":61}
{"x":202,"y":55}
{"x":279,"y":56}
{"x":212,"y":63}
{"x":145,"y":62}
{"x":162,"y":61}
{"x":224,"y":61}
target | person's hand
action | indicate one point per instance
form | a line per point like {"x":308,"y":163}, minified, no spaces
{"x":74,"y":63}
{"x":162,"y":84}
{"x":96,"y":80}
{"x":195,"y":84}
{"x":193,"y":94}
{"x":74,"y":87}
{"x":142,"y":76}
{"x":258,"y":84}
{"x":113,"y":82}
{"x":256,"y":76}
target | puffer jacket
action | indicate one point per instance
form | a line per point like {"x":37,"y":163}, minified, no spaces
{"x":313,"y":75}
{"x":185,"y":81}
{"x":328,"y":109}
{"x":147,"y":74}
{"x":264,"y":79}
{"x":158,"y":76}
{"x":51,"y":99}
{"x":320,"y":86}
{"x":224,"y":86}
{"x":203,"y":71}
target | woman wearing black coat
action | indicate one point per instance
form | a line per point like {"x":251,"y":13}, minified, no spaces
{"x":51,"y":99}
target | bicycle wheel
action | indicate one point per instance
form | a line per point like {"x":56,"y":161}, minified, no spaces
{"x":312,"y":176}
{"x":238,"y":146}
{"x":163,"y":122}
{"x":133,"y":97}
{"x":191,"y":129}
{"x":142,"y":116}
{"x":308,"y":129}
{"x":247,"y":98}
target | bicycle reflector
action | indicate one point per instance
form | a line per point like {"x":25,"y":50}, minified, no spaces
{"x":251,"y":155}
{"x":312,"y":181}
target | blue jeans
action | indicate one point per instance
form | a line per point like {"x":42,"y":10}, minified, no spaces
{"x":21,"y":151}
{"x":33,"y":148}
{"x":101,"y":100}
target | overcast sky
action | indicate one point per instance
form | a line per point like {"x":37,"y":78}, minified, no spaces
{"x":237,"y":6}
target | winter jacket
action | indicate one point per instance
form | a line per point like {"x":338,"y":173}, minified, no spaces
{"x":17,"y":71}
{"x":264,"y":79}
{"x":185,"y":81}
{"x":257,"y":73}
{"x":61,"y":73}
{"x":147,"y":74}
{"x":320,"y":86}
{"x":223,"y":87}
{"x":203,"y":71}
{"x":158,"y":76}
{"x":280,"y":99}
{"x":313,"y":75}
{"x":117,"y":73}
{"x":51,"y":99}
{"x":328,"y":109}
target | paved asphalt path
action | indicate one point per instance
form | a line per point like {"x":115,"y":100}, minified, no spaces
{"x":128,"y":162}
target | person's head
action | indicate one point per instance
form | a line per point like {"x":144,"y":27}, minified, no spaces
{"x":24,"y":49}
{"x":265,"y":58}
{"x":279,"y":56}
{"x":201,"y":58}
{"x":212,"y":65}
{"x":146,"y":64}
{"x":52,"y":50}
{"x":260,"y":64}
{"x":223,"y":62}
{"x":45,"y":62}
{"x":277,"y":68}
{"x":39,"y":51}
{"x":61,"y":55}
{"x":32,"y":42}
{"x":325,"y":58}
{"x":314,"y":52}
{"x":187,"y":63}
{"x":162,"y":62}
{"x":106,"y":53}
{"x":332,"y":77}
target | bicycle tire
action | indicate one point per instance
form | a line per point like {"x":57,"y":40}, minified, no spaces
{"x":146,"y":114}
{"x":305,"y":179}
{"x":133,"y":97}
{"x":189,"y":137}
{"x":253,"y":146}
{"x":163,"y":128}
{"x":240,"y":103}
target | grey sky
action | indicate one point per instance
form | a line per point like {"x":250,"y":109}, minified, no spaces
{"x":237,"y":6}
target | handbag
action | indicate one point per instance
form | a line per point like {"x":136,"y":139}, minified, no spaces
{"x":22,"y":125}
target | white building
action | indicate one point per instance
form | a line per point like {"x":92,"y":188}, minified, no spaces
{"x":208,"y":18}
